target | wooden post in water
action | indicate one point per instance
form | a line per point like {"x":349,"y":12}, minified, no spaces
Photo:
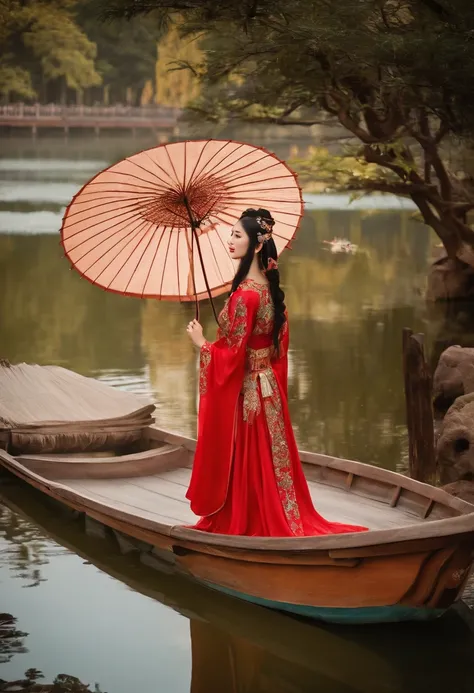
{"x":419,"y":408}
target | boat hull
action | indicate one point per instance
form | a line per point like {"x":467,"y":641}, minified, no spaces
{"x":434,"y":581}
{"x":344,"y":616}
{"x":159,"y":551}
{"x":416,"y":582}
{"x":409,"y":573}
{"x":418,"y":585}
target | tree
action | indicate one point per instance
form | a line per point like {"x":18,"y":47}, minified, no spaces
{"x":176,"y":86}
{"x":126,"y":52}
{"x":15,"y":79}
{"x":396,"y":74}
{"x":41,"y":44}
{"x":51,"y":48}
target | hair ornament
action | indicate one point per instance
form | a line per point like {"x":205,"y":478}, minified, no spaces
{"x":263,"y":237}
{"x":271,"y":265}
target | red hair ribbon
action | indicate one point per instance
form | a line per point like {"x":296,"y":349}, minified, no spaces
{"x":272,"y":264}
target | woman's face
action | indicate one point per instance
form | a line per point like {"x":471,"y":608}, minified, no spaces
{"x":238,"y":242}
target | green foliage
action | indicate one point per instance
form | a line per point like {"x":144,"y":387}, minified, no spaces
{"x":61,"y":47}
{"x":126,"y":51}
{"x":299,"y":51}
{"x":396,"y":74}
{"x":41,"y":42}
{"x":14,"y":80}
{"x":322,"y":170}
{"x":52,"y":46}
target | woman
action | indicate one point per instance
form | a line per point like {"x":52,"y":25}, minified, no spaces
{"x":247,"y":476}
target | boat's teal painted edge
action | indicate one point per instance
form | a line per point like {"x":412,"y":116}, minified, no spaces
{"x":365,"y":614}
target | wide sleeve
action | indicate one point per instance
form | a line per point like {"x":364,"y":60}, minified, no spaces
{"x":280,"y":362}
{"x":222,"y":369}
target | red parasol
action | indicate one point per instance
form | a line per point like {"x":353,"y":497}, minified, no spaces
{"x":155,"y":225}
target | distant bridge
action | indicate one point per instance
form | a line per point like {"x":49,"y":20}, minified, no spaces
{"x":98,"y":118}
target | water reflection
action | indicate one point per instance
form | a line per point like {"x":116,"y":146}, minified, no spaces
{"x":239,"y":647}
{"x":11,"y":639}
{"x":24,"y":554}
{"x":32,"y":683}
{"x":82,"y":148}
{"x":346,"y":398}
{"x":347,"y":314}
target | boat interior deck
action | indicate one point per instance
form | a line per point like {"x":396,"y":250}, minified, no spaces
{"x":161,"y":497}
{"x":151,"y":482}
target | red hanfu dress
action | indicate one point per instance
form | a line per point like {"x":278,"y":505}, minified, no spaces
{"x":247,"y":477}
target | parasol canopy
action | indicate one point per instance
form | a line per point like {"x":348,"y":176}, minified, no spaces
{"x":155,"y":225}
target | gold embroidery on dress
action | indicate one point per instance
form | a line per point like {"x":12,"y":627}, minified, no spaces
{"x":224,"y":320}
{"x":251,"y":403}
{"x":257,"y":362}
{"x":233,"y":330}
{"x":259,"y":358}
{"x":204,"y":361}
{"x":266,"y":311}
{"x":259,"y":371}
{"x":265,"y":316}
{"x":282,"y":461}
{"x":239,"y":324}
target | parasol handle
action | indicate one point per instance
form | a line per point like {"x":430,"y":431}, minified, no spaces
{"x":196,"y":308}
{"x":194,"y":226}
{"x":205,"y":276}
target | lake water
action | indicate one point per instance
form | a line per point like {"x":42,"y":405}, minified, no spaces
{"x":128,"y":628}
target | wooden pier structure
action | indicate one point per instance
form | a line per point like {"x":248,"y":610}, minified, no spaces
{"x":97,"y":118}
{"x":419,"y":408}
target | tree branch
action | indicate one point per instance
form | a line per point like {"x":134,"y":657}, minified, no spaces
{"x":372,"y":156}
{"x":428,"y":144}
{"x":442,"y":132}
{"x":277,"y":120}
{"x":342,"y":113}
{"x":401,"y":189}
{"x":450,"y":239}
{"x":242,"y":117}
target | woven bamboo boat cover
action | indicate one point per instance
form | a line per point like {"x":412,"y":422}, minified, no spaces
{"x":52,"y":409}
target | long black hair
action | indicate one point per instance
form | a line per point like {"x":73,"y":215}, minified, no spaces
{"x":254,"y":230}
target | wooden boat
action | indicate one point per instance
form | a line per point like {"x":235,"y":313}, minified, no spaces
{"x":341,"y":659}
{"x":413,"y":564}
{"x":290,"y":649}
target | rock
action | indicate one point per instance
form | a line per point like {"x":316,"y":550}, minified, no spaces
{"x":454,"y":377}
{"x":449,"y":280}
{"x":455,"y":446}
{"x":461,"y":489}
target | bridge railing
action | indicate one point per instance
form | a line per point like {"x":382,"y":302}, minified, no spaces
{"x":41,"y":111}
